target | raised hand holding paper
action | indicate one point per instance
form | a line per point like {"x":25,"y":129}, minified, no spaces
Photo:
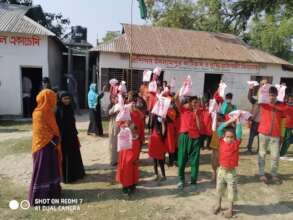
{"x":222,"y":87}
{"x":157,"y":71}
{"x":186,"y":89}
{"x":161,"y":107}
{"x":263,"y":94}
{"x":122,"y":88}
{"x":281,"y":92}
{"x":113,"y":82}
{"x":252,"y":84}
{"x":243,"y":115}
{"x":147,"y":75}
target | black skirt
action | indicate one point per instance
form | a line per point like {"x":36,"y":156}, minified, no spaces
{"x":73,"y":168}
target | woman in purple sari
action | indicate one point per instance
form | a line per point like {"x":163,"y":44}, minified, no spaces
{"x":46,"y":150}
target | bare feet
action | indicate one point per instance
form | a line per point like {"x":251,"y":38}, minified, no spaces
{"x":264,"y":179}
{"x":156,"y":178}
{"x":216,"y":209}
{"x":277,"y":180}
{"x":214,"y":177}
{"x":228,"y":214}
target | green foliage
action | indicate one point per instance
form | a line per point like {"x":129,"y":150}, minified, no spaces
{"x":265,"y":24}
{"x":272,"y":36}
{"x":110,"y":35}
{"x":56,"y":23}
{"x":190,"y":14}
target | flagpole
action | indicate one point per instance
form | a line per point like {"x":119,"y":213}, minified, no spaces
{"x":130,"y":57}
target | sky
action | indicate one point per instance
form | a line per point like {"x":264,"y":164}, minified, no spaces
{"x":98,"y":16}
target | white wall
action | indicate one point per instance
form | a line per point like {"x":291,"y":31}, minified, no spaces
{"x":180,"y":75}
{"x":237,"y":85}
{"x":12,"y":58}
{"x":111,"y":60}
{"x":235,"y":79}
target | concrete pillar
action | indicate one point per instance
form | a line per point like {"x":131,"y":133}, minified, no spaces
{"x":86,"y":75}
{"x":69,"y":62}
{"x":94,"y":73}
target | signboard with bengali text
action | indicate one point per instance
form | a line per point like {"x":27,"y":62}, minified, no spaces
{"x":27,"y":41}
{"x":196,"y":65}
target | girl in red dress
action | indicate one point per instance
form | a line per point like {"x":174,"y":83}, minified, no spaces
{"x":127,"y":169}
{"x":157,"y":147}
{"x":171,"y":133}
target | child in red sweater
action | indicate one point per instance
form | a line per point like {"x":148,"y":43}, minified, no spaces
{"x":269,"y":134}
{"x":188,"y":141}
{"x":230,"y":140}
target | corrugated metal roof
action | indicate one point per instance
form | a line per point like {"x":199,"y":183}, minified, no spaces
{"x":173,"y":42}
{"x":117,"y":45}
{"x":13,"y":20}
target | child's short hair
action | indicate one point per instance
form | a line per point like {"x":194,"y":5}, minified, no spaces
{"x":135,"y":96}
{"x":229,"y":96}
{"x":229,"y":129}
{"x":220,"y":117}
{"x":184,"y":100}
{"x":273,"y":90}
{"x":192,"y":98}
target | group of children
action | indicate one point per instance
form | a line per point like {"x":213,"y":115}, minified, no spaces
{"x":179,"y":124}
{"x":188,"y":125}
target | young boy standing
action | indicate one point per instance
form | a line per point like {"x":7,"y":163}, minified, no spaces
{"x":189,"y":143}
{"x":230,"y":141}
{"x":269,"y":134}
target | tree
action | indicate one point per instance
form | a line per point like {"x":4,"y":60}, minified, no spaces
{"x":272,"y":36}
{"x":56,"y":23}
{"x":264,"y":24}
{"x":110,"y":35}
{"x":189,"y":14}
{"x":243,"y":10}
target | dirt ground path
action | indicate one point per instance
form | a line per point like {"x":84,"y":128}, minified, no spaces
{"x":256,"y":201}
